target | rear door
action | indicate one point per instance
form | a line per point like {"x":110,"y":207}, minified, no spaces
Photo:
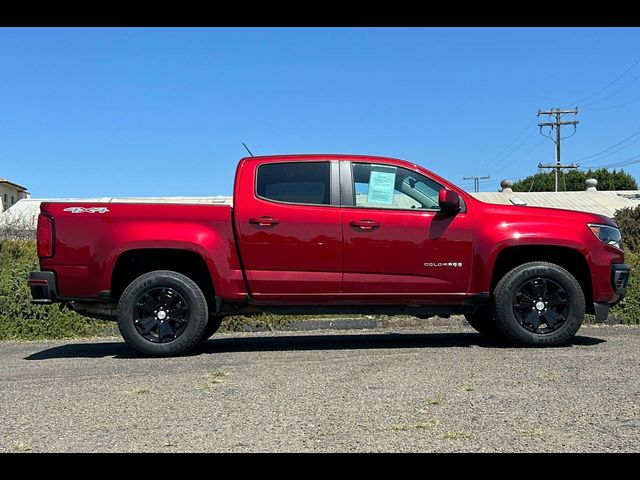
{"x":289,"y":222}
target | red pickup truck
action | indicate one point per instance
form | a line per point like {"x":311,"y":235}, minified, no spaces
{"x":329,"y":234}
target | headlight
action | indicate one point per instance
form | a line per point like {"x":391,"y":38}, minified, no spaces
{"x":607,"y":234}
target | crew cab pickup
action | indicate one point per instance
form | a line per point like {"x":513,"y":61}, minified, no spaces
{"x":329,"y":234}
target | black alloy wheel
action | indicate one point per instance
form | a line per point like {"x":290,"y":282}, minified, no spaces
{"x":161,"y":314}
{"x":541,"y":305}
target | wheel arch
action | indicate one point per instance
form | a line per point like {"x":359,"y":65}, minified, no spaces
{"x":132,"y":263}
{"x":568,"y":258}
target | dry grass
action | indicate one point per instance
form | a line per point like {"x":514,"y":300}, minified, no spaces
{"x":214,"y":378}
{"x":21,"y":447}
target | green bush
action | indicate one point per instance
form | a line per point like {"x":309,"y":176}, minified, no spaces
{"x":629,"y":313}
{"x":22,"y":320}
{"x":628,"y":219}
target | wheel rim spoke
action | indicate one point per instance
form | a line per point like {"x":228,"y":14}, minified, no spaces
{"x":148,"y":323}
{"x":539,"y":288}
{"x":533,"y":319}
{"x":525,"y":302}
{"x":162,"y":331}
{"x":555,"y":299}
{"x":178,"y":312}
{"x":552,"y":318}
{"x":149,"y":303}
{"x":169,"y":329}
{"x":172,"y":299}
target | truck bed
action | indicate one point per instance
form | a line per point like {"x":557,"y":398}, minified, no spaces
{"x":91,"y":236}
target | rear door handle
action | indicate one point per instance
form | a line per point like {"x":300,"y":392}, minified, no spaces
{"x":264,"y":221}
{"x":365,"y":224}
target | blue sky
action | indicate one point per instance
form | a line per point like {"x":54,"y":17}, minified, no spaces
{"x":88,"y":112}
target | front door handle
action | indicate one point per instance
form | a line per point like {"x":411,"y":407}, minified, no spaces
{"x":264,"y":221}
{"x":365,"y":224}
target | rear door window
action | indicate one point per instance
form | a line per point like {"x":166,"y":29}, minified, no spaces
{"x":295,"y":182}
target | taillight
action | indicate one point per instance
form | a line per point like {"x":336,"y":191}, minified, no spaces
{"x":45,"y":236}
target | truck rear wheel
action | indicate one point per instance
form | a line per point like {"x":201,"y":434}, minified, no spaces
{"x":539,"y":304}
{"x":162,"y":313}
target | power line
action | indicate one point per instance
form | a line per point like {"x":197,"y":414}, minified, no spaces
{"x":609,"y":84}
{"x":612,"y":153}
{"x":611,"y":107}
{"x":612,"y":146}
{"x":624,"y":163}
{"x":529,"y":152}
{"x":505,"y":149}
{"x":612,"y":94}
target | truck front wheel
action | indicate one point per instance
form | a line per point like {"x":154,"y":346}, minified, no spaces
{"x":484,"y":323}
{"x":539,"y":304}
{"x":212,"y":327}
{"x":162,"y":313}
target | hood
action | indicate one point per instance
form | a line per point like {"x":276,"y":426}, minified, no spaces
{"x":544,"y":214}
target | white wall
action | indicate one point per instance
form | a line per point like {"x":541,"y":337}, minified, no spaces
{"x":9,"y":196}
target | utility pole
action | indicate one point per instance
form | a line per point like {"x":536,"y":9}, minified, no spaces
{"x":476,"y":181}
{"x":557,"y":113}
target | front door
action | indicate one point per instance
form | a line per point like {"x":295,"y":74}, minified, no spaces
{"x":289,"y":222}
{"x":398,"y":245}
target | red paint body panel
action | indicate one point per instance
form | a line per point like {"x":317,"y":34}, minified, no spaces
{"x":503,"y":226}
{"x":301,"y":256}
{"x":391,"y":259}
{"x":314,"y":254}
{"x":88,"y":244}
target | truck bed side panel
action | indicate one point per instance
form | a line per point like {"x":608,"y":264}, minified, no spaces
{"x":88,"y":244}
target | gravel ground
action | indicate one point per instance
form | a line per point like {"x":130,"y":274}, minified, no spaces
{"x":435,"y":388}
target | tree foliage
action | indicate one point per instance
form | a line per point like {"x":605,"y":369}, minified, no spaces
{"x":628,"y":219}
{"x":574,"y":180}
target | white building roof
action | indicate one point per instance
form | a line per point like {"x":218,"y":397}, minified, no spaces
{"x":602,"y":202}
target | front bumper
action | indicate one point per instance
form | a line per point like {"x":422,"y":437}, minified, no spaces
{"x":619,"y":280}
{"x":43,"y":287}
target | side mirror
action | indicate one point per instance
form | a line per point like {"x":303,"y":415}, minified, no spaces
{"x":449,"y":201}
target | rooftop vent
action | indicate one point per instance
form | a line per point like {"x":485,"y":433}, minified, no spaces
{"x":505,"y":186}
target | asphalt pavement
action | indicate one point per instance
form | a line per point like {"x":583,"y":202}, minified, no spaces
{"x":433,"y":388}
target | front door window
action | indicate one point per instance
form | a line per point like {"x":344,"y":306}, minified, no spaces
{"x":386,"y":186}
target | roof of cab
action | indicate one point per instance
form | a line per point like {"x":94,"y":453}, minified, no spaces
{"x":327,"y":156}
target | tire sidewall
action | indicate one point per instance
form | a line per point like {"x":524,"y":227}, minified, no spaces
{"x":484,"y":323}
{"x":196,"y":321}
{"x":212,"y":327}
{"x":505,"y":293}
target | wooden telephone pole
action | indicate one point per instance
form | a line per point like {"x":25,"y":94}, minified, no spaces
{"x":557,"y":124}
{"x":476,"y":181}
